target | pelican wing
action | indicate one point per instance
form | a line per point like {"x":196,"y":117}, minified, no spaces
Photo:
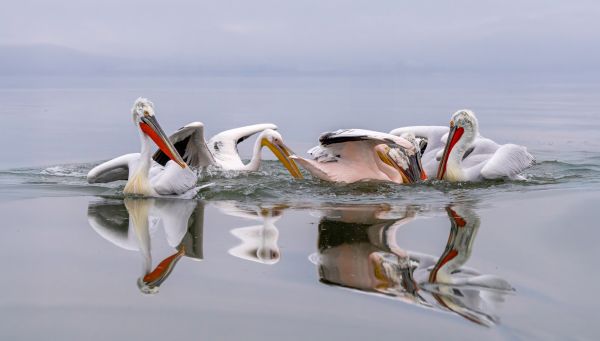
{"x":174,"y":216}
{"x":432,"y":135}
{"x":223,"y":146}
{"x":481,"y":151}
{"x":347,"y":155}
{"x":357,"y":151}
{"x":112,"y":170}
{"x":350,"y":135}
{"x":110,"y":220}
{"x":174,"y":180}
{"x":232,"y":208}
{"x":190,"y":144}
{"x":508,"y":161}
{"x":349,"y":161}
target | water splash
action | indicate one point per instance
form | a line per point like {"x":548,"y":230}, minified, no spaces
{"x":274,"y":184}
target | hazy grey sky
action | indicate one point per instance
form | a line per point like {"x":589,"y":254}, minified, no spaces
{"x":313,"y":34}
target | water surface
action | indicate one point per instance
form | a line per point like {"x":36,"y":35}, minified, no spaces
{"x":263,"y":256}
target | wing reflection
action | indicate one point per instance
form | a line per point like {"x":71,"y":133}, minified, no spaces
{"x":132,"y":224}
{"x":258,"y":242}
{"x":358,"y":250}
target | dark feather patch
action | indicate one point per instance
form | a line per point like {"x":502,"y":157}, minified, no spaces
{"x":333,"y":137}
{"x":423,"y":145}
{"x":180,"y":146}
{"x":468,"y":152}
{"x":241,"y":139}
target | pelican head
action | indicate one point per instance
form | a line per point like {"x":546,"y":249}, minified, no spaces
{"x":466,"y":119}
{"x":267,"y":255}
{"x":463,"y":230}
{"x":407,"y":163}
{"x":463,"y":131}
{"x":274,"y":141}
{"x":144,"y":118}
{"x":142,"y":107}
{"x":416,"y":162}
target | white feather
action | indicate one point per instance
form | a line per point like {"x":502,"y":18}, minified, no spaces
{"x":112,"y":170}
{"x":508,"y":161}
{"x":223,"y":146}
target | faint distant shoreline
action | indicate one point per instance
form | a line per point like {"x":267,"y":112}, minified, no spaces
{"x":40,"y":61}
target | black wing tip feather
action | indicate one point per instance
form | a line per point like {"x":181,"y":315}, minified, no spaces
{"x":161,"y":158}
{"x":264,"y":127}
{"x":333,"y":137}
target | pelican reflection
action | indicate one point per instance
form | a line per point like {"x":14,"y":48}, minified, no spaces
{"x":132,"y":224}
{"x":357,"y":249}
{"x":258,"y":243}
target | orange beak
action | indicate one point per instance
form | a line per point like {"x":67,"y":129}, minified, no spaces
{"x":453,"y":137}
{"x":149,"y":125}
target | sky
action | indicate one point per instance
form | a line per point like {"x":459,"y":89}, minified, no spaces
{"x":312,"y":35}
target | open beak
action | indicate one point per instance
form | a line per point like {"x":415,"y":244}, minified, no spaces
{"x":454,"y":135}
{"x":283,"y":153}
{"x":150,"y":127}
{"x":163,"y":270}
{"x":411,"y":174}
{"x":415,"y":168}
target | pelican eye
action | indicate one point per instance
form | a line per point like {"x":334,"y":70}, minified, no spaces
{"x":146,"y":113}
{"x":452,"y":124}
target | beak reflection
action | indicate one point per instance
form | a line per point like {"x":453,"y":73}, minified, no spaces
{"x":151,"y":281}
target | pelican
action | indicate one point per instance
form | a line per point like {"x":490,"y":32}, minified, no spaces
{"x":455,"y":287}
{"x":221,"y":150}
{"x":144,"y":176}
{"x":449,"y":268}
{"x":131,"y":225}
{"x":358,"y":249}
{"x":459,"y":153}
{"x":351,"y":155}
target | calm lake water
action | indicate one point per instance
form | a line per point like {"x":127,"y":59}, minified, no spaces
{"x":260,"y":255}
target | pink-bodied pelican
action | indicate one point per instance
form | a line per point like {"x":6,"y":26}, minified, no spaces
{"x":144,"y":176}
{"x":351,"y":155}
{"x":221,"y":150}
{"x":459,"y":153}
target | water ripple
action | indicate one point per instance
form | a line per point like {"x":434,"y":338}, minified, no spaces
{"x":273,"y":184}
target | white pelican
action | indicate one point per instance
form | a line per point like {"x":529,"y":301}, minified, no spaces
{"x":351,"y":155}
{"x":453,"y":286}
{"x":221,"y":150}
{"x":459,"y":153}
{"x":258,"y":242}
{"x":449,"y":268}
{"x":144,"y":176}
{"x":132,"y":223}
